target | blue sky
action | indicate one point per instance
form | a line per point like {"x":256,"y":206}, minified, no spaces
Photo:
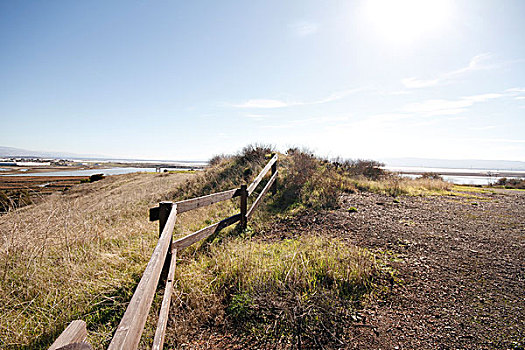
{"x":190,"y":79}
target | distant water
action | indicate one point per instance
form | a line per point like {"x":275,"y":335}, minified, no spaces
{"x":89,"y":172}
{"x":474,"y":172}
{"x":478,"y":177}
{"x":186,"y":163}
{"x":463,"y":180}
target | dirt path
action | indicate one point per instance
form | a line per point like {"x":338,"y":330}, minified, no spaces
{"x":460,"y":265}
{"x":460,"y":270}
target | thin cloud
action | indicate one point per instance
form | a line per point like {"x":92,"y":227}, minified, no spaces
{"x":448,"y":107}
{"x":414,"y":83}
{"x":483,"y":97}
{"x":438,"y":107}
{"x":263,"y":103}
{"x":481,"y":128}
{"x":500,"y":140}
{"x":304,"y":28}
{"x":274,"y":103}
{"x":307,"y":122}
{"x":478,"y":62}
{"x":516,"y":90}
{"x":256,"y":116}
{"x":517,"y":93}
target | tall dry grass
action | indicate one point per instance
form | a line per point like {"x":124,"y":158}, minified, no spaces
{"x":394,"y":185}
{"x":76,"y":255}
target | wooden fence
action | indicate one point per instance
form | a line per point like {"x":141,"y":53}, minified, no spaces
{"x":128,"y":334}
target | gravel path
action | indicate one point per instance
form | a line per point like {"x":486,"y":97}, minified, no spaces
{"x":459,"y":262}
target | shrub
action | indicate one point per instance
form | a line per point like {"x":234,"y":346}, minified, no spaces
{"x":96,"y":177}
{"x":307,"y":180}
{"x":431,"y":176}
{"x":322,"y":189}
{"x":514,"y":183}
{"x":370,"y":169}
{"x":225,"y":173}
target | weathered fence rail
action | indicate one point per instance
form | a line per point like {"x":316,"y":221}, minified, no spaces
{"x":129,"y":331}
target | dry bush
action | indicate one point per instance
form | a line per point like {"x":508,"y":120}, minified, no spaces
{"x":76,"y":255}
{"x":369,"y":169}
{"x":228,"y":172}
{"x":306,"y":180}
{"x":303,"y":290}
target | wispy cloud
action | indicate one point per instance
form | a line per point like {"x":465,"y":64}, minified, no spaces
{"x":478,"y":62}
{"x":517,"y":93}
{"x":275,"y":103}
{"x":481,"y":128}
{"x":448,"y":107}
{"x":256,"y":116}
{"x":483,"y":97}
{"x":263,"y":103}
{"x":516,"y":90}
{"x":304,"y":28}
{"x":325,"y":121}
{"x":499,"y":140}
{"x":438,"y":107}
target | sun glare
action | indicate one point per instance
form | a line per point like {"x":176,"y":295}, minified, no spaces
{"x":404,"y":21}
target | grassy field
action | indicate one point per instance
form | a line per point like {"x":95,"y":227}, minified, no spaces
{"x":79,"y":255}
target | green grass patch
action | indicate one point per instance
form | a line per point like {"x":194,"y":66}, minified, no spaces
{"x":305,"y":290}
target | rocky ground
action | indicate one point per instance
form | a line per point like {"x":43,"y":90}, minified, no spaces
{"x":459,"y":262}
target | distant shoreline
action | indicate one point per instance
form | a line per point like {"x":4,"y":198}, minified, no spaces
{"x":456,"y":172}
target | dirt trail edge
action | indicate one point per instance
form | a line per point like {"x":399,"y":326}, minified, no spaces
{"x":460,"y":265}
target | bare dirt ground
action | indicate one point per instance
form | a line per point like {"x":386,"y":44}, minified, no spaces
{"x":459,"y":262}
{"x":460,"y":266}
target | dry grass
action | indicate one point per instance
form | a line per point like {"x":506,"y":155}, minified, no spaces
{"x":77,"y":255}
{"x":397,"y":186}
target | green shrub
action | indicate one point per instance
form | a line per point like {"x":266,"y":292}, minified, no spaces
{"x":511,"y":183}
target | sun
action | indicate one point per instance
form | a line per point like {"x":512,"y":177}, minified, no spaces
{"x":405,"y":21}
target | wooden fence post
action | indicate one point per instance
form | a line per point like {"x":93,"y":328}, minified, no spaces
{"x":164,"y":213}
{"x":244,"y":206}
{"x":274,"y":170}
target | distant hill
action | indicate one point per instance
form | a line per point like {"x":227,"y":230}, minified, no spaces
{"x":19,"y":152}
{"x":456,"y":163}
{"x":7,"y":152}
